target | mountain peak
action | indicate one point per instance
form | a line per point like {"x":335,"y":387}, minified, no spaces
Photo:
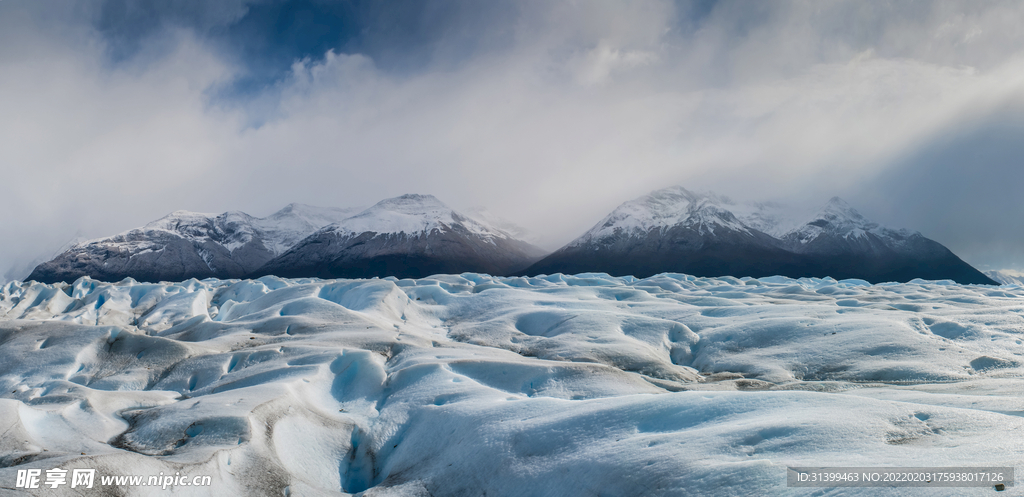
{"x":838,"y":207}
{"x":182,"y":214}
{"x":837,"y":215}
{"x":188,"y":223}
{"x":411,"y":203}
{"x":837,"y":226}
{"x":187,"y":244}
{"x":674,"y":200}
{"x":662,"y":209}
{"x":412,"y":214}
{"x":704,"y":234}
{"x":290,"y":208}
{"x":407,"y":236}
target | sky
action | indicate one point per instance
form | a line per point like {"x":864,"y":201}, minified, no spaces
{"x":114,"y":113}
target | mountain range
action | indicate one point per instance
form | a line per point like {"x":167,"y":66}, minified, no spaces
{"x":676,"y":230}
{"x":411,"y":236}
{"x":669,"y":230}
{"x":1006,"y":276}
{"x":187,"y":244}
{"x":407,"y":236}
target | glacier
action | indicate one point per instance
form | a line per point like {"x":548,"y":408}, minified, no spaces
{"x":471,"y":384}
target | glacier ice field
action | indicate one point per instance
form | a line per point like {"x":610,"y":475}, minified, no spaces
{"x":478,"y":385}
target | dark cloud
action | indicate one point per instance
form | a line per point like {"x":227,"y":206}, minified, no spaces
{"x":962,"y":186}
{"x":129,"y":27}
{"x":267,"y":36}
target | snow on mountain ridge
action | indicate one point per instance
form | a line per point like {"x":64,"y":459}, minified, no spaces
{"x":662,"y":209}
{"x":185,"y":244}
{"x":705,"y":211}
{"x":407,"y":236}
{"x":167,"y":223}
{"x":313,"y":215}
{"x":840,"y":219}
{"x":412,"y":214}
{"x":676,"y":230}
{"x":1006,"y":276}
{"x":234,"y":229}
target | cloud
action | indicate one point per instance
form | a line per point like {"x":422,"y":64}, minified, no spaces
{"x":85,"y":147}
{"x":962,"y":186}
{"x":549,"y":113}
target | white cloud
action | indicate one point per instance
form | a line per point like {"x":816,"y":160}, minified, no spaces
{"x":592,"y":104}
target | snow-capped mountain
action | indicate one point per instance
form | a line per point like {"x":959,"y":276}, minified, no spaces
{"x":839,"y":228}
{"x":704,"y":234}
{"x":840,"y":242}
{"x":663,"y":209}
{"x":187,"y":244}
{"x":406,"y":236}
{"x":669,"y":230}
{"x":676,"y":230}
{"x":1006,"y":276}
{"x":288,"y":226}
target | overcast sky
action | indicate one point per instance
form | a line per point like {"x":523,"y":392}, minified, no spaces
{"x":115,"y":113}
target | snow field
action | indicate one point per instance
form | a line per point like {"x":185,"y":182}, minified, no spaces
{"x":466,"y":384}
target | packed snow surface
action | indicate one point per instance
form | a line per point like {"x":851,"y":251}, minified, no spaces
{"x":471,"y":385}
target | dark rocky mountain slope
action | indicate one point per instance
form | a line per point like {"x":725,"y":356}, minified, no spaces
{"x":408,"y":237}
{"x":675,"y":230}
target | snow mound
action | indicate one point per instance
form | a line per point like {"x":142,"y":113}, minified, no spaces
{"x":472,"y":384}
